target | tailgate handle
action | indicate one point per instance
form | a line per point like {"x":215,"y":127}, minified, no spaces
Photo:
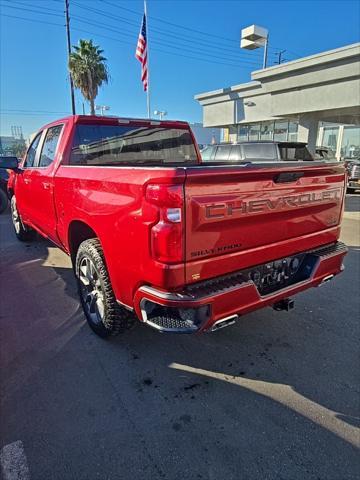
{"x":287,"y":177}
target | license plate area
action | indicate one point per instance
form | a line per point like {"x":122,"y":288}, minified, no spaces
{"x":279,"y":274}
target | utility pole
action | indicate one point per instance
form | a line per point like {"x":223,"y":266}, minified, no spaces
{"x":279,"y":54}
{"x":69,"y":52}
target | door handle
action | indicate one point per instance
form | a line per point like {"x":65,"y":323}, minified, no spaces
{"x":46,"y":185}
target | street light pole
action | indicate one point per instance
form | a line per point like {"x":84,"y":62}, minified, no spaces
{"x":254,"y":37}
{"x":102,"y":108}
{"x":67,"y":19}
{"x":266,"y":51}
{"x":160,"y":113}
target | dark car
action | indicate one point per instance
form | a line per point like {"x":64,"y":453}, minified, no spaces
{"x":256,"y":151}
{"x":353,"y":171}
{"x":4,"y":201}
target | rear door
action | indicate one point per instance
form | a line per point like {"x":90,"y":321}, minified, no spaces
{"x":241,"y":216}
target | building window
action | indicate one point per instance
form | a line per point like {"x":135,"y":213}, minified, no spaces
{"x":350,"y":145}
{"x":281,"y":131}
{"x":293,"y":132}
{"x":243,"y":133}
{"x":267,"y":131}
{"x":254,"y":132}
{"x":330,"y":137}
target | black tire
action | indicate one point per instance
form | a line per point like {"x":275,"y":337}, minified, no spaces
{"x":22,"y":232}
{"x":4,"y":201}
{"x":104,"y":315}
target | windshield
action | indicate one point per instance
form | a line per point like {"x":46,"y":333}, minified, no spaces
{"x":107,"y":145}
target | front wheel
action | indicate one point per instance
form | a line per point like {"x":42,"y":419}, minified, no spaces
{"x":104,"y":315}
{"x":23,"y":233}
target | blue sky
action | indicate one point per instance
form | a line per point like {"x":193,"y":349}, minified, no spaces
{"x":34,"y":87}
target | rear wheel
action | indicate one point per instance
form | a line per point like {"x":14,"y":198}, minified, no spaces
{"x":22,"y":232}
{"x":3,"y":201}
{"x":104,"y":315}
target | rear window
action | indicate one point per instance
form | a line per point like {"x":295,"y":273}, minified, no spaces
{"x":107,"y":145}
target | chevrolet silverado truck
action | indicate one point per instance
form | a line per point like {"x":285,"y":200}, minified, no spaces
{"x":156,"y":235}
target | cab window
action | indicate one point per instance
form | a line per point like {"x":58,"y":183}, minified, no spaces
{"x":31,"y":153}
{"x":50,"y":146}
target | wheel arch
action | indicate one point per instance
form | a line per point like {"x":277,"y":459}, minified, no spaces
{"x":78,"y":232}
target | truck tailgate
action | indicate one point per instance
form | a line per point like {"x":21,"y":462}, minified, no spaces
{"x":240,"y":216}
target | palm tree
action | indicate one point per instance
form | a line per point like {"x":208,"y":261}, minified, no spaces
{"x":88,"y":70}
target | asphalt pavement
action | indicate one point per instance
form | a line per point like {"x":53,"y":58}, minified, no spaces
{"x":276,"y":396}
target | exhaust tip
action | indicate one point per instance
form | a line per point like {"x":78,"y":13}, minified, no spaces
{"x":224,"y":322}
{"x":326,"y":279}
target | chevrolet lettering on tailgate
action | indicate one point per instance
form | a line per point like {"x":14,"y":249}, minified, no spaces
{"x":243,"y":207}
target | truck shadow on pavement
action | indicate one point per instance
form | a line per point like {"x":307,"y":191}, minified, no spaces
{"x":275,"y":396}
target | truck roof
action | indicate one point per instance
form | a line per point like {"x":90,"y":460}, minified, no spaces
{"x":121,"y":120}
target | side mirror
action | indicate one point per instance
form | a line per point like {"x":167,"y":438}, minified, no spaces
{"x":10,"y":163}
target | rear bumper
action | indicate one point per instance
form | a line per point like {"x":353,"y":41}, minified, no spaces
{"x":204,"y":304}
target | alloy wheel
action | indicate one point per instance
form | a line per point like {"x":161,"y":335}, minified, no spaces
{"x":91,"y":290}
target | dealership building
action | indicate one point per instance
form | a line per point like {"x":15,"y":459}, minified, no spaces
{"x":314,"y":99}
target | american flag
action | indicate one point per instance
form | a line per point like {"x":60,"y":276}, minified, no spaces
{"x":141,"y":53}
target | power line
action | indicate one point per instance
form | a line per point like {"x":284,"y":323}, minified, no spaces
{"x":172,"y":24}
{"x":32,"y":11}
{"x":160,"y":50}
{"x":33,"y":6}
{"x":123,"y":41}
{"x":157,"y":42}
{"x":176,"y":25}
{"x":224,"y":56}
{"x":160,"y":31}
{"x":31,"y":20}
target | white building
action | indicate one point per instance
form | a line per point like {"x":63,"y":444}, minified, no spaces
{"x":292,"y":100}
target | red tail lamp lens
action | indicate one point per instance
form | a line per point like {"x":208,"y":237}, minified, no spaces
{"x":167,"y":234}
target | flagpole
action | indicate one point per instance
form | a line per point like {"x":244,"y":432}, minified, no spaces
{"x":148,"y":62}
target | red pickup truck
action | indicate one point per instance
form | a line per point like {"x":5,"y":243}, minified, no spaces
{"x":155,"y":234}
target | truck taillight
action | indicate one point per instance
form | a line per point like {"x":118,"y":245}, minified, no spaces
{"x":167,"y":234}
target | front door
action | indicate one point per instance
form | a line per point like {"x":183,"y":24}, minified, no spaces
{"x":23,"y":187}
{"x":43,"y":212}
